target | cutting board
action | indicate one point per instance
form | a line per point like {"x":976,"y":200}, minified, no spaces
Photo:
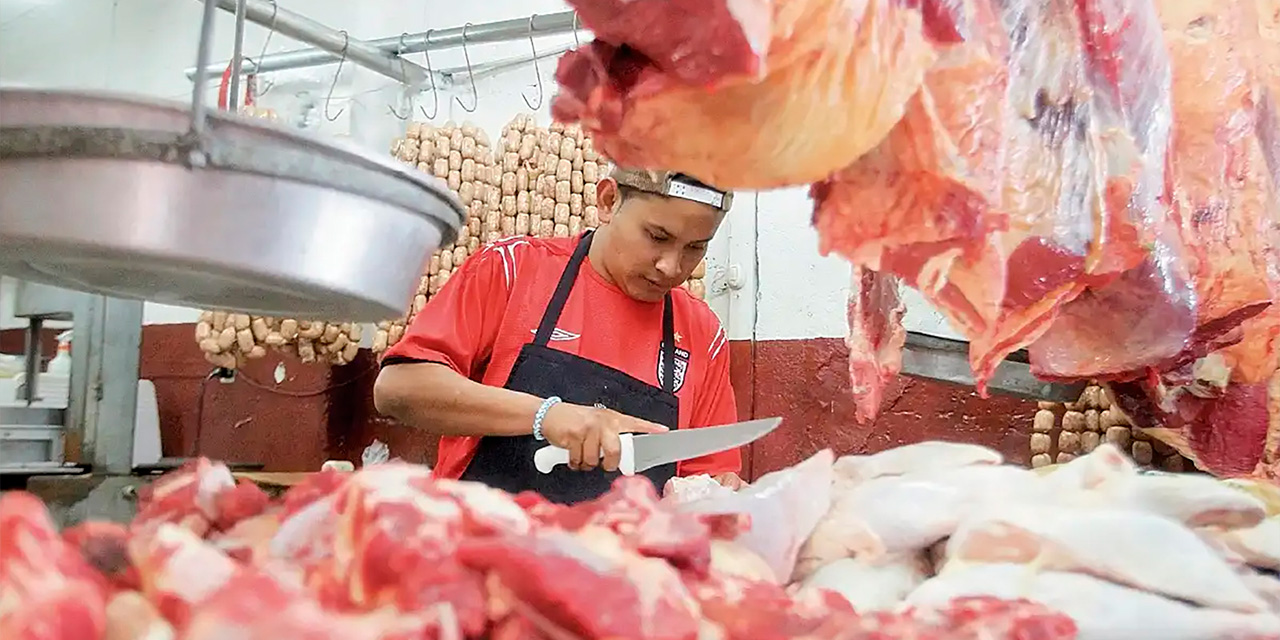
{"x":274,"y":479}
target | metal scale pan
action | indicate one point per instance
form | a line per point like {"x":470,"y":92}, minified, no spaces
{"x":115,"y":195}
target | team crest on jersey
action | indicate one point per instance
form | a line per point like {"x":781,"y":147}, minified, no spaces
{"x":558,"y":334}
{"x":682,"y":367}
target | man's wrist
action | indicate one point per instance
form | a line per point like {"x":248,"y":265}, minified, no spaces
{"x":541,"y":415}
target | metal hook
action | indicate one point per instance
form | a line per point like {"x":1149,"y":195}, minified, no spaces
{"x":576,"y":42}
{"x":537,"y":72}
{"x":346,"y":42}
{"x":475,"y":96}
{"x":271,"y":30}
{"x":400,"y":54}
{"x":435,"y":98}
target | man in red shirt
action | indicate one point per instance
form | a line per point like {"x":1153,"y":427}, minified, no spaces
{"x":569,"y":341}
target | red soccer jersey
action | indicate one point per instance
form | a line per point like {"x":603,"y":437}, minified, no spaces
{"x":491,"y":307}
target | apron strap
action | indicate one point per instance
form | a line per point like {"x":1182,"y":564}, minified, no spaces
{"x":668,"y":346}
{"x":561,"y":295}
{"x":563,"y":288}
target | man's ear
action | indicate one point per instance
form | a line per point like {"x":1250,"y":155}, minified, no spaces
{"x":607,"y":199}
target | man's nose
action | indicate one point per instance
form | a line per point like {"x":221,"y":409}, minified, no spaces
{"x":669,"y":264}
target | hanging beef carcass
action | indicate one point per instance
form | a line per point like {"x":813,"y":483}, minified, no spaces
{"x":709,"y":87}
{"x":1026,"y":169}
{"x":1218,"y":410}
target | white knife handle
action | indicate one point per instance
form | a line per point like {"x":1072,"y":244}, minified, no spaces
{"x":546,"y":458}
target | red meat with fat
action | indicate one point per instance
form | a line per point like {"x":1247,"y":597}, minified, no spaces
{"x":49,"y":592}
{"x":1019,"y":174}
{"x":714,"y":97}
{"x":876,"y":337}
{"x":1222,"y":195}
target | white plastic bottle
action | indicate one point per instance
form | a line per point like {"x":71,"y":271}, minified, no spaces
{"x":60,"y":365}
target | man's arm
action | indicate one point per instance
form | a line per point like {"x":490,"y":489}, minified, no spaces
{"x":435,"y":398}
{"x":428,"y":377}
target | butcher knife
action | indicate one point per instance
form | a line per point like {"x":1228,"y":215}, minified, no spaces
{"x":646,"y":451}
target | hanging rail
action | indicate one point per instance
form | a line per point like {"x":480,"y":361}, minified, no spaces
{"x":331,"y":42}
{"x":385,"y":61}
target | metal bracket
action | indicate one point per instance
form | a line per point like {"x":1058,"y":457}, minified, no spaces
{"x":946,"y":360}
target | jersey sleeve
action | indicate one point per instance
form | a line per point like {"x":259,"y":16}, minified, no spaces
{"x":715,"y":405}
{"x":459,"y":324}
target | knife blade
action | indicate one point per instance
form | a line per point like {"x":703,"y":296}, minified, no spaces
{"x":644,"y":452}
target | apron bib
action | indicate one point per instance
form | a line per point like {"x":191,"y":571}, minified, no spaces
{"x":506,"y":462}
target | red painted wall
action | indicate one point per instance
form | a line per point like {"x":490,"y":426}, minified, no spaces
{"x":320,"y":412}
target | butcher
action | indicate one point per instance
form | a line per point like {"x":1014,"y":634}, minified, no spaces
{"x":570,"y":342}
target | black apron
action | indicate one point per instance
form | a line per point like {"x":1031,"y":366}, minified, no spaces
{"x":506,"y":462}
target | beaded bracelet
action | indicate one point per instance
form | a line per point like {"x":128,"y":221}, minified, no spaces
{"x":542,"y":414}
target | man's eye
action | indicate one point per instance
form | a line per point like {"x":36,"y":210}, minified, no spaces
{"x":656,"y":237}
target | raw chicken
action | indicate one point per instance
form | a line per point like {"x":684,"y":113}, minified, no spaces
{"x":681,"y":489}
{"x":1192,"y":499}
{"x":784,"y":507}
{"x":904,"y":514}
{"x":1258,"y":546}
{"x":875,"y":340}
{"x":1100,"y":609}
{"x":871,"y":586}
{"x":1110,"y":544}
{"x":933,"y":455}
{"x":1097,"y":468}
{"x":662,"y":97}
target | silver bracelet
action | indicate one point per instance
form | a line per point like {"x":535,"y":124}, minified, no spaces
{"x":542,"y":414}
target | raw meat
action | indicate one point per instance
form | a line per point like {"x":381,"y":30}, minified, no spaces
{"x":1229,"y":433}
{"x":871,"y":586}
{"x":1223,"y":193}
{"x":1258,"y":545}
{"x":388,"y":553}
{"x":784,"y":507}
{"x":1018,"y":175}
{"x":542,"y":573}
{"x":1194,"y":500}
{"x":656,"y":97}
{"x":875,"y":339}
{"x":904,"y":514}
{"x":131,"y":616}
{"x":680,"y":489}
{"x":47,"y":591}
{"x":1063,"y":539}
{"x":1100,"y":609}
{"x":933,"y":455}
{"x":1266,"y":585}
{"x":1093,"y":470}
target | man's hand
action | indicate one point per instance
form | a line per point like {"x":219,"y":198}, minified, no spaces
{"x":591,"y":434}
{"x":730,"y":481}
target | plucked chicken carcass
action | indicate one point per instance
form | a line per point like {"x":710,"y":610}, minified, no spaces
{"x":1125,"y":554}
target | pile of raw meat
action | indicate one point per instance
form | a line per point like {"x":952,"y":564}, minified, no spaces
{"x":387,"y":553}
{"x":1097,"y":181}
{"x":934,"y":541}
